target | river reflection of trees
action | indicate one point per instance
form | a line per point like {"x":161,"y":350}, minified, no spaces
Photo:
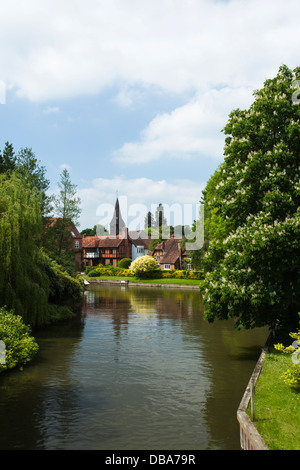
{"x":228,"y":355}
{"x":148,"y":349}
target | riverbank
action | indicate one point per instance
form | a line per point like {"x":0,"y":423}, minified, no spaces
{"x":269,"y":411}
{"x":133,"y":282}
{"x":277,"y":405}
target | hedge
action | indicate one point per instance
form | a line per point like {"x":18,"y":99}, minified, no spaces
{"x":172,"y":274}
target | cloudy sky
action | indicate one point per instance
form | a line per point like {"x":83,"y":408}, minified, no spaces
{"x":131,"y":95}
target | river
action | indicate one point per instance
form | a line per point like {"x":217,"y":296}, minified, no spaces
{"x":140,"y":369}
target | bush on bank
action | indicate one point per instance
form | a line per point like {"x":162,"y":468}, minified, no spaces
{"x":17,"y":346}
{"x":98,"y":271}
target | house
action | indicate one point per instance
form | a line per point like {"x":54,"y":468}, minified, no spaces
{"x":169,"y":254}
{"x":122,"y":243}
{"x":105,"y":249}
{"x":112,"y":248}
{"x":140,"y":243}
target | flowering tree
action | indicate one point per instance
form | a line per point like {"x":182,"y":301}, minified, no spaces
{"x":252,"y":203}
{"x":143,"y":267}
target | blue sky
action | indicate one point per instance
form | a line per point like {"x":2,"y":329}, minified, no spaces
{"x":131,"y":96}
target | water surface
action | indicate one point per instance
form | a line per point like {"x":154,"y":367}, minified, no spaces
{"x":139,"y":369}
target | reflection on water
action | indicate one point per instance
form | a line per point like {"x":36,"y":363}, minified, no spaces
{"x":140,"y":369}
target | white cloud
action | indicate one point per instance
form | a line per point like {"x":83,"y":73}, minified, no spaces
{"x":192,"y":129}
{"x":65,"y":166}
{"x":54,"y":49}
{"x":137,"y":192}
{"x":51,"y":110}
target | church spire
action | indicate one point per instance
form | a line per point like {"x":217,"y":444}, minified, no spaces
{"x":117,"y":224}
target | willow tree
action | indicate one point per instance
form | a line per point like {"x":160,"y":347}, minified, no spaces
{"x":253,"y":260}
{"x":24,"y":284}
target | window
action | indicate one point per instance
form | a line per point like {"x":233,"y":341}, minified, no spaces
{"x":77,"y":244}
{"x":167,"y":266}
{"x":189,"y":267}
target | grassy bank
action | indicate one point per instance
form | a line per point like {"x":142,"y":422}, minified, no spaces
{"x":277,"y":406}
{"x":191,"y":282}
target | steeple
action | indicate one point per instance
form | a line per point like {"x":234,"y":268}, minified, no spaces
{"x":117,"y":224}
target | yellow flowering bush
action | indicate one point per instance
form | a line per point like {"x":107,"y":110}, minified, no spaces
{"x":144,"y":267}
{"x":292,"y":375}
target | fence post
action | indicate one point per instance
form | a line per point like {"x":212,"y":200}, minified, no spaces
{"x":252,"y":388}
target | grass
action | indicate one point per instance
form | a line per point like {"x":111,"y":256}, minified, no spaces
{"x":277,"y":406}
{"x":151,"y":281}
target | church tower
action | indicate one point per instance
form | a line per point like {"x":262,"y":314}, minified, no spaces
{"x":117,"y":224}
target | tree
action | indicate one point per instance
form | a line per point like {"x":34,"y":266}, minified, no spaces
{"x":31,"y":284}
{"x":149,"y":221}
{"x":24,"y":285}
{"x":8,"y":159}
{"x":90,"y":232}
{"x":159,"y":219}
{"x":252,"y":263}
{"x":67,"y":207}
{"x":35,"y":175}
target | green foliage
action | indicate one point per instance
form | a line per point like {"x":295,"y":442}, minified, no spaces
{"x":30,"y":283}
{"x":64,"y":288}
{"x":34,"y":174}
{"x":144,"y":267}
{"x":20,"y":347}
{"x":154,"y":274}
{"x":67,"y":208}
{"x":108,"y":271}
{"x":7,"y":159}
{"x":182,"y":274}
{"x":23,"y":281}
{"x":124,"y":263}
{"x":252,"y":263}
{"x":292,"y":375}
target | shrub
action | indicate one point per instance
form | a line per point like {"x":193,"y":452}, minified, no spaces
{"x":182,"y":274}
{"x":144,"y":267}
{"x":20,"y":347}
{"x":94,"y":273}
{"x":124,"y":263}
{"x":112,"y":271}
{"x":292,"y":375}
{"x":63,"y":286}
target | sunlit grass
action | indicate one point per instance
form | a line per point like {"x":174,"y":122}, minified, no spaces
{"x":277,"y":406}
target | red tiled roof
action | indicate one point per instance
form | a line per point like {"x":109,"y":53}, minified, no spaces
{"x":171,"y":251}
{"x":101,"y":242}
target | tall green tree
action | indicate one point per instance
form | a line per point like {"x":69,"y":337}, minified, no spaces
{"x":7,"y":159}
{"x":24,"y":285}
{"x":149,"y":221}
{"x":31,"y":284}
{"x":253,"y":202}
{"x":67,"y":208}
{"x":35,"y":176}
{"x":159,"y":217}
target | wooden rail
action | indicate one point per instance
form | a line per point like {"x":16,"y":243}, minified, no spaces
{"x":250,"y":438}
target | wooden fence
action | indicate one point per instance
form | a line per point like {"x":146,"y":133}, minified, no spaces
{"x":249,"y":436}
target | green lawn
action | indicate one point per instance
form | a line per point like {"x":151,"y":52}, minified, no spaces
{"x":277,"y":406}
{"x":193,"y":282}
